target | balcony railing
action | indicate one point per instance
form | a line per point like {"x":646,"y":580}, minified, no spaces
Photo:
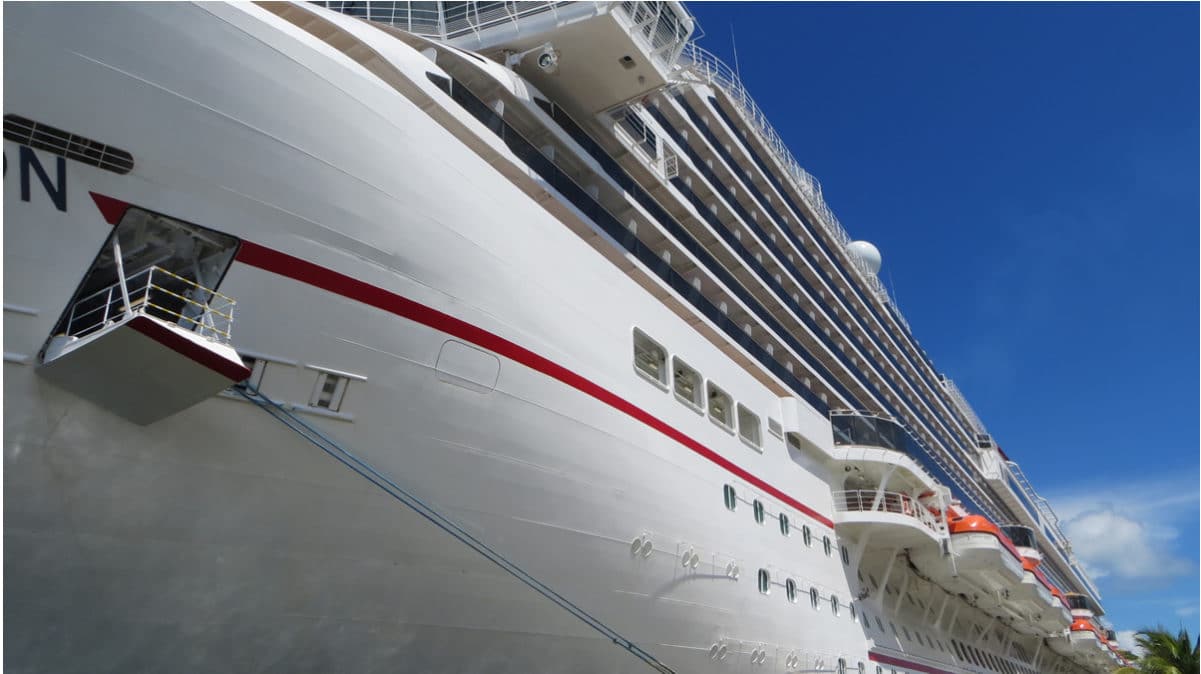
{"x":715,"y":72}
{"x":863,"y":500}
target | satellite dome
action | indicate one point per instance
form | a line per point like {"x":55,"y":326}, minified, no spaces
{"x":866,"y":253}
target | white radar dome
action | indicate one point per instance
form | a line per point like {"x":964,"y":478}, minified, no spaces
{"x":866,"y":253}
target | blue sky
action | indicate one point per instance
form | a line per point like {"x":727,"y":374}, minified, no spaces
{"x":1030,"y":175}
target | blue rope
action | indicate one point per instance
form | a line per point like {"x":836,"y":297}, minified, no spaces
{"x":374,"y":476}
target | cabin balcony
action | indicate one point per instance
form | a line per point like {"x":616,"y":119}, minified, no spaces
{"x":888,"y":520}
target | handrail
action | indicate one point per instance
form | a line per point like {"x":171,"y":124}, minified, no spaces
{"x":865,"y":500}
{"x":1048,"y":521}
{"x":715,"y":72}
{"x":189,"y":304}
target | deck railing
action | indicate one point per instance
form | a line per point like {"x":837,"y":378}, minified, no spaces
{"x":864,"y":500}
{"x":154,"y":291}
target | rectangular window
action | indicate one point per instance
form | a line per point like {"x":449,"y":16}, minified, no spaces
{"x":721,"y":407}
{"x":749,"y":428}
{"x":774,"y":427}
{"x":687,"y":384}
{"x":650,"y":359}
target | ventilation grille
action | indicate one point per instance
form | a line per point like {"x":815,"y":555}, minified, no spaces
{"x":85,"y":150}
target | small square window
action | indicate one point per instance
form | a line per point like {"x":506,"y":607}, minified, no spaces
{"x":650,"y":359}
{"x":329,"y":391}
{"x":687,"y":384}
{"x":721,"y":407}
{"x":749,"y":427}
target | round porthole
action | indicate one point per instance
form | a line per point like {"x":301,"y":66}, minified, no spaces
{"x":636,"y":546}
{"x":647,"y":548}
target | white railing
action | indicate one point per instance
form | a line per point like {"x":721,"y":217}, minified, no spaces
{"x":713,"y":71}
{"x":658,"y":28}
{"x":864,"y":500}
{"x":438,"y":20}
{"x":962,"y":404}
{"x":154,"y":291}
{"x":1048,"y":521}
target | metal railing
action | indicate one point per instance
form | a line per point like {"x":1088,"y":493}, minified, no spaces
{"x":658,"y":28}
{"x":863,"y":500}
{"x":1047,"y":519}
{"x":961,"y":402}
{"x":154,"y":291}
{"x":713,"y":71}
{"x":440,"y":20}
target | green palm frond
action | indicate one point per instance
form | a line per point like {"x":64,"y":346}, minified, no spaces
{"x":1164,"y":653}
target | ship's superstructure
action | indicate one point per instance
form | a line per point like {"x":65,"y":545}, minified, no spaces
{"x":607,"y":383}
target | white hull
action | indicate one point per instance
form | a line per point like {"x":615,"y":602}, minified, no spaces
{"x":218,"y":540}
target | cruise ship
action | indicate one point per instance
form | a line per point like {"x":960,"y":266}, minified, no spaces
{"x":471,"y":337}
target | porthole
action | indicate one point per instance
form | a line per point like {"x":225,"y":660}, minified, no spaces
{"x":846,"y":556}
{"x":854,"y":615}
{"x":842,"y":666}
{"x":730,"y":497}
{"x":827,"y":546}
{"x":721,"y":407}
{"x":815,"y":598}
{"x":879,"y":669}
{"x":757,"y":507}
{"x":834,"y":605}
{"x":764,"y":581}
{"x":686,"y":383}
{"x":650,"y":359}
{"x":862,"y":667}
{"x":906,"y":631}
{"x":784,"y":525}
{"x":790,"y":590}
{"x":806,"y":535}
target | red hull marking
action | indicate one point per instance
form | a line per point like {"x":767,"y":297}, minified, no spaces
{"x":304,"y":271}
{"x":897,"y":662}
{"x":232,"y":371}
{"x":112,"y":209}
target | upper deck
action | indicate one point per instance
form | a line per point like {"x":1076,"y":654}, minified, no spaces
{"x":734,"y":214}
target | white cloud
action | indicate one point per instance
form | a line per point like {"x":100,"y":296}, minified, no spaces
{"x":1127,"y":531}
{"x":1126,"y":642}
{"x":1110,"y":543}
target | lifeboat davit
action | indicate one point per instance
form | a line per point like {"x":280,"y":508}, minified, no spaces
{"x":984,"y":564}
{"x":1037,"y":598}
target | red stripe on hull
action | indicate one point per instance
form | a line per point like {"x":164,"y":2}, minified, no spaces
{"x":234,"y":372}
{"x":304,"y":271}
{"x":898,"y":662}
